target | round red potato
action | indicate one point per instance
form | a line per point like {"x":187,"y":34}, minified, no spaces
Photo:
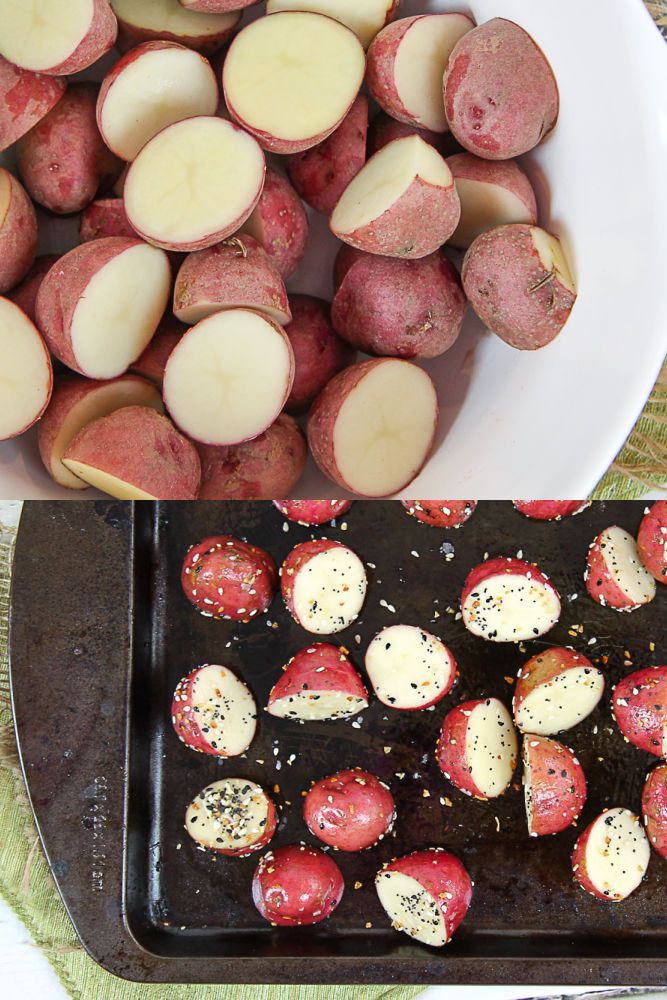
{"x":25,"y":97}
{"x":309,"y":512}
{"x":550,"y":510}
{"x":611,"y":856}
{"x":509,"y":600}
{"x":319,"y":682}
{"x":227,"y":578}
{"x":554,"y":785}
{"x":296,"y":885}
{"x":350,"y":810}
{"x":639,"y":704}
{"x":441,"y":513}
{"x":426,"y":894}
{"x":409,"y":668}
{"x":652,"y":540}
{"x":319,"y":353}
{"x":231,"y":816}
{"x":654,"y":808}
{"x":501,"y":97}
{"x":518,"y":281}
{"x":477,"y":749}
{"x":214,"y":712}
{"x":323,"y":585}
{"x":555,"y":690}
{"x":615,"y":576}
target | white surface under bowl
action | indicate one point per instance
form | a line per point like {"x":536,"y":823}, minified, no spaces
{"x":550,"y":422}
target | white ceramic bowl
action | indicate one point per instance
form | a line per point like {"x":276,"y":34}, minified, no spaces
{"x":550,"y":422}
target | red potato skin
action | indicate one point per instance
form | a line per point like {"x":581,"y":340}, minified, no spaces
{"x":246,"y":573}
{"x":295,"y":561}
{"x":18,"y":236}
{"x":279,"y":222}
{"x":441,"y":513}
{"x":400,"y":308}
{"x":501,"y":97}
{"x":549,"y":510}
{"x":318,"y":667}
{"x":319,"y":353}
{"x":558,"y":785}
{"x":504,"y":281}
{"x":296,"y":885}
{"x":255,"y":470}
{"x":63,"y":161}
{"x":383,"y":129}
{"x":153,"y":358}
{"x":321,"y":174}
{"x":451,"y":748}
{"x":599,"y":581}
{"x":343,"y":261}
{"x":24,"y":295}
{"x":652,"y":541}
{"x":308,"y":512}
{"x":444,"y":877}
{"x":350,"y":810}
{"x":654,"y":808}
{"x":544,"y":667}
{"x":494,"y":567}
{"x":105,"y":217}
{"x":130,"y":35}
{"x":25,"y":97}
{"x":639,"y":705}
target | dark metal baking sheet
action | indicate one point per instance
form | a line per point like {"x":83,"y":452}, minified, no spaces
{"x":101,"y":633}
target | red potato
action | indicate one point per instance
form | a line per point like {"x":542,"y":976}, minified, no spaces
{"x":321,"y":174}
{"x":478,"y":748}
{"x":75,"y":402}
{"x":279,"y":222}
{"x":168,"y":20}
{"x":48,"y":38}
{"x":517,"y":280}
{"x":225,"y":577}
{"x":318,"y":683}
{"x":400,"y":308}
{"x":323,"y":584}
{"x":214,"y":712}
{"x":555,"y":690}
{"x":554,"y":785}
{"x":135,"y":453}
{"x":406,"y":62}
{"x":25,"y":97}
{"x":217,"y":170}
{"x":63,"y":161}
{"x":235,"y":273}
{"x":639,"y":704}
{"x":409,"y":668}
{"x":654,"y":808}
{"x":365,"y":19}
{"x":652,"y":540}
{"x":402,"y":203}
{"x":319,"y":353}
{"x":371,"y":429}
{"x":501,"y":97}
{"x":18,"y":232}
{"x":105,"y":217}
{"x":152,"y":86}
{"x":229,"y":377}
{"x":231,"y":816}
{"x":550,"y":510}
{"x":100,"y":304}
{"x":350,"y":810}
{"x":441,"y":513}
{"x":509,"y":600}
{"x":24,"y":295}
{"x":153,"y":359}
{"x":297,"y":885}
{"x":27,"y":375}
{"x":492,"y":193}
{"x":611,"y":856}
{"x":291,"y":78}
{"x":383,"y":129}
{"x":615,"y":576}
{"x":309,"y":512}
{"x":255,"y":470}
{"x":426,"y":894}
{"x":343,"y":261}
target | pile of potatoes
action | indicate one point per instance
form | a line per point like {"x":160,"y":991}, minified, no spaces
{"x":164,"y":356}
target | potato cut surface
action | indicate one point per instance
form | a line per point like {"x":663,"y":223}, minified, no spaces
{"x":411,"y":908}
{"x":114,"y":486}
{"x":5,"y":193}
{"x":561,"y":703}
{"x":25,"y":374}
{"x":38,"y":35}
{"x":408,"y":667}
{"x":227,"y":379}
{"x":222,"y":707}
{"x":617,"y":853}
{"x":364,"y":17}
{"x":484,"y":205}
{"x":116,"y":317}
{"x":169,"y":16}
{"x":329,"y":590}
{"x":314,"y":705}
{"x":492,"y":747}
{"x":229,"y":815}
{"x":293,"y":75}
{"x":621,"y":557}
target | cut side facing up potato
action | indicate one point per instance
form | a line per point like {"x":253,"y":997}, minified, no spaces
{"x":554,"y":785}
{"x":409,"y":668}
{"x":365,"y":18}
{"x":611,"y":856}
{"x":639,"y":704}
{"x":214,"y":712}
{"x":426,"y":894}
{"x":229,"y":376}
{"x":296,"y":885}
{"x":615,"y":575}
{"x":50,"y":38}
{"x":478,"y":747}
{"x":371,"y":429}
{"x":27,"y":375}
{"x":654,"y":808}
{"x":228,"y":578}
{"x":509,"y":600}
{"x":290,"y":79}
{"x":231,"y":816}
{"x":194,"y":183}
{"x":139,"y":21}
{"x":323,"y":585}
{"x":318,"y":683}
{"x":555,"y":690}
